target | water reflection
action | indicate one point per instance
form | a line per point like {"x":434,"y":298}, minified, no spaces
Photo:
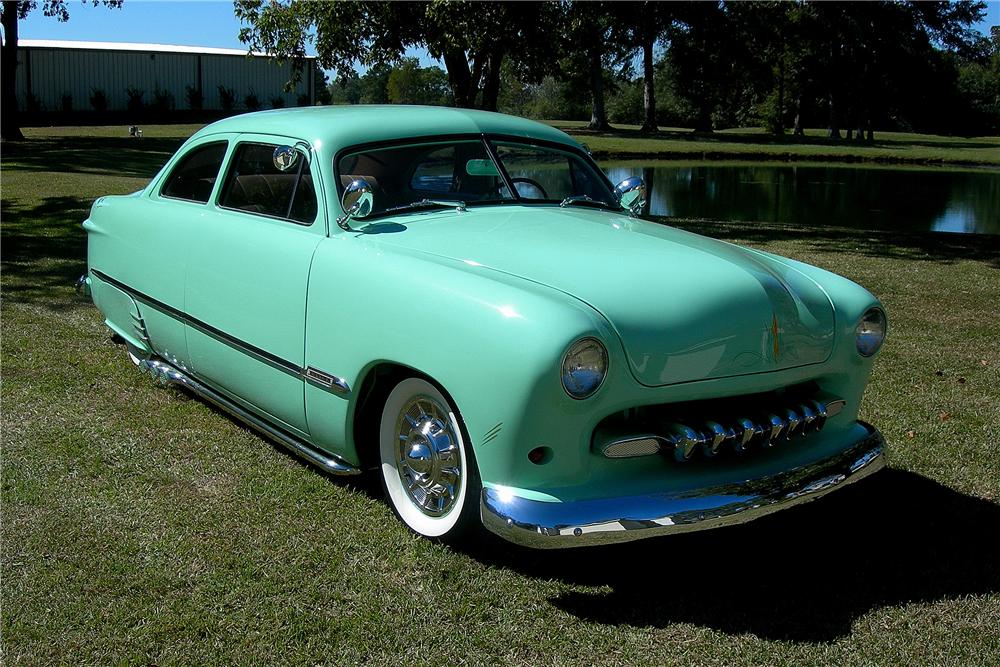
{"x":863,"y":197}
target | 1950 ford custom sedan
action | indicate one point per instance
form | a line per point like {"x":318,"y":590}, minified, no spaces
{"x":462,"y":302}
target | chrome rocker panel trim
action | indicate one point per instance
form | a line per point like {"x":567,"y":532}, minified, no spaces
{"x":167,"y":374}
{"x":554,"y":525}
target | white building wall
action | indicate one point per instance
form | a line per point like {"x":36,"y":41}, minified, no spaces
{"x":54,"y":72}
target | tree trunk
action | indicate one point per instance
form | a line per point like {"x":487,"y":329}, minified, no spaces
{"x":834,"y":120}
{"x":797,"y":130}
{"x":10,"y":125}
{"x":491,"y":87}
{"x":598,"y":116}
{"x":648,"y":92}
{"x":781,"y":94}
{"x":704,"y":121}
{"x":463,"y":87}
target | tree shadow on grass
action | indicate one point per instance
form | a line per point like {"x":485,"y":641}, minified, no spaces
{"x":803,"y":575}
{"x":113,"y":156}
{"x":44,"y":250}
{"x":940,"y":247}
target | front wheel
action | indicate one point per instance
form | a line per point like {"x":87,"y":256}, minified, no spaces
{"x":428,"y":471}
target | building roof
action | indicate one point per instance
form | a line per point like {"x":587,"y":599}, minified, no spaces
{"x":336,"y":127}
{"x":131,"y":46}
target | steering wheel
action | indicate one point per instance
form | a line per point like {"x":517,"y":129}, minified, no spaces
{"x":533,"y":183}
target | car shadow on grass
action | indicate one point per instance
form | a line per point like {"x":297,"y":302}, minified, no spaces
{"x":804,"y":575}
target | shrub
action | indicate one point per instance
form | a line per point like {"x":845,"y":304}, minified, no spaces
{"x":98,"y":99}
{"x":251,"y":101}
{"x":163,"y":100}
{"x":302,"y":100}
{"x":66,"y":103}
{"x":33,"y":104}
{"x":134,"y":99}
{"x":227,"y":98}
{"x":278,"y":102}
{"x":195,"y":99}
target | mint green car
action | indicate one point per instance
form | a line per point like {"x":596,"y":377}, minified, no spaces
{"x":462,"y":302}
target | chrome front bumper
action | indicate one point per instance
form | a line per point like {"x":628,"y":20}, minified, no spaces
{"x":554,"y":525}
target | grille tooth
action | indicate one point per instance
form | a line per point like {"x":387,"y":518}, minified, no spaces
{"x":820,"y":414}
{"x":686,"y":440}
{"x":794,"y":421}
{"x":774,"y":425}
{"x":715,"y":434}
{"x":808,"y":418}
{"x":747,"y":430}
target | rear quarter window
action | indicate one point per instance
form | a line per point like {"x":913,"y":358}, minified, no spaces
{"x":193,"y":179}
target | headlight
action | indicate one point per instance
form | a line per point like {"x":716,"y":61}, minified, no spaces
{"x":870,"y":332}
{"x":584,"y":367}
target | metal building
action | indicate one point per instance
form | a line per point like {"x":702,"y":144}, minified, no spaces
{"x":53,"y":74}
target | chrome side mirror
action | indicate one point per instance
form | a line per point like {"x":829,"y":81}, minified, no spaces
{"x":631,"y":194}
{"x":357,"y":202}
{"x":284,"y":158}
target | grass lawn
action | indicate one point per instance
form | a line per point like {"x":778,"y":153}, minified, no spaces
{"x":625,"y":141}
{"x":140,"y":526}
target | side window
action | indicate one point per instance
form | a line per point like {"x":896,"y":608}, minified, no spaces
{"x":255,"y":185}
{"x":194,"y":176}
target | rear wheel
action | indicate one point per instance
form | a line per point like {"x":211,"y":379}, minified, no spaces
{"x":428,"y":471}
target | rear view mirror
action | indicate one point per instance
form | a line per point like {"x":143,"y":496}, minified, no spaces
{"x":481,"y":168}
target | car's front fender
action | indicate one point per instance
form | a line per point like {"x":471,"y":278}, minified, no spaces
{"x":493,"y":341}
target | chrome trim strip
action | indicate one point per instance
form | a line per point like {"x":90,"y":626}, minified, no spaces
{"x":167,"y":374}
{"x":324,"y":380}
{"x":548,"y":525}
{"x":338,"y":385}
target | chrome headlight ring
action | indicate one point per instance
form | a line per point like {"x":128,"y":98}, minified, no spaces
{"x":584,"y":367}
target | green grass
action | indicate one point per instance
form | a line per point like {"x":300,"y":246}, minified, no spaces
{"x":141,"y":526}
{"x":625,"y":141}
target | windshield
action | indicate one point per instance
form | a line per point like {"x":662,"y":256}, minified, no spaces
{"x":429,"y":173}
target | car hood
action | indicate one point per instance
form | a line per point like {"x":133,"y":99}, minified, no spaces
{"x":686,"y":307}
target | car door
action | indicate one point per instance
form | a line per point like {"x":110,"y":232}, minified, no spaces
{"x":247,"y":274}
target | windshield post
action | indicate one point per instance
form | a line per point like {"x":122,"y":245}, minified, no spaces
{"x":503,"y":170}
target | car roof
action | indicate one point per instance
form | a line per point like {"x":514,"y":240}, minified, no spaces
{"x":340,"y":126}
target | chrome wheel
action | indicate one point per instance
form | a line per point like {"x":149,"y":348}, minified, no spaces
{"x":428,"y":471}
{"x":428,"y":458}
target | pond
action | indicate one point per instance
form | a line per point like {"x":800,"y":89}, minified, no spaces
{"x":870,"y":197}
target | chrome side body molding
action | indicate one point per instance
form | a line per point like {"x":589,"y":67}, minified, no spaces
{"x":553,"y":525}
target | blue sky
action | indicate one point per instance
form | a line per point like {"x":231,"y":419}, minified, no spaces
{"x":183,"y":22}
{"x":188,"y":22}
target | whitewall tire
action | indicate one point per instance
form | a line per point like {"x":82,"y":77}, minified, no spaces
{"x":427,"y":470}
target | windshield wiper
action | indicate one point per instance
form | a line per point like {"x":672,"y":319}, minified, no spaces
{"x":586,"y":200}
{"x":424,"y":203}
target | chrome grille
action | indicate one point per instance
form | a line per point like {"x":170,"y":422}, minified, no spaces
{"x":686,"y":439}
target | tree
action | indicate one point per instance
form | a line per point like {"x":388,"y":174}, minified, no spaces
{"x":700,"y":41}
{"x":594,"y":40}
{"x":409,"y":83}
{"x":13,"y":11}
{"x":473,"y":39}
{"x":645,"y":26}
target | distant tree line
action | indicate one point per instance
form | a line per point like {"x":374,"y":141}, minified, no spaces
{"x":850,"y":67}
